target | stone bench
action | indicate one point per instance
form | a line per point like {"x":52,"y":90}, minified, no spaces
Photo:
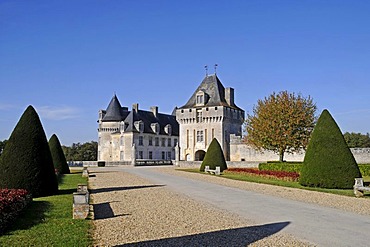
{"x":217,"y":171}
{"x":81,"y":200}
{"x":359,"y":188}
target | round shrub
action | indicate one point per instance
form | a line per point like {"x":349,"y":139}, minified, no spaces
{"x":59,"y":160}
{"x":26,"y":161}
{"x":328,"y":162}
{"x":214,"y":157}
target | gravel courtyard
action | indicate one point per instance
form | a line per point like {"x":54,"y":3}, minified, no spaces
{"x":132,"y":211}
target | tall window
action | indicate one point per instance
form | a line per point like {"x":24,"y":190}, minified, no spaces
{"x":122,"y":141}
{"x":140,"y":154}
{"x":150,"y":141}
{"x":200,"y":136}
{"x":199,"y":116}
{"x":169,"y":155}
{"x":163,"y":142}
{"x":122,"y":155}
{"x":163,"y":155}
{"x":141,"y":141}
{"x":150,"y":155}
{"x":169,"y":142}
{"x":157,"y":141}
{"x":174,"y":142}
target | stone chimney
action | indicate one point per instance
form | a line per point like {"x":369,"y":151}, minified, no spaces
{"x":229,"y":95}
{"x":154,"y":110}
{"x":135,"y":107}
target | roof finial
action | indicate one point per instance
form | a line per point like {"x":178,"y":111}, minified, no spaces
{"x":206,"y":67}
{"x":216,"y":68}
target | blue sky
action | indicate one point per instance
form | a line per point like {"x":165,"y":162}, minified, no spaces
{"x":68,"y":58}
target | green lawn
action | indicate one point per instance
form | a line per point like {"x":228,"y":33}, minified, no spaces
{"x":258,"y":179}
{"x":48,"y":220}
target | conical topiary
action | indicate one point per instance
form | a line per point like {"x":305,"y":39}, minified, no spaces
{"x":214,"y":157}
{"x":59,"y":160}
{"x":26,"y":161}
{"x":328,"y":162}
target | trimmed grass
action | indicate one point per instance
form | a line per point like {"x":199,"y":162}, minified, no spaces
{"x":48,"y":220}
{"x":277,"y":182}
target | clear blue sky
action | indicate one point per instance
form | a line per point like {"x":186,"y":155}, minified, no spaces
{"x":67,"y":58}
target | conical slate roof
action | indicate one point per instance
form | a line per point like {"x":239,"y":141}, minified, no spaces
{"x":113,"y":112}
{"x":213,"y":87}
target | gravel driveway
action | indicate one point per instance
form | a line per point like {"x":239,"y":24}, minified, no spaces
{"x":132,"y":211}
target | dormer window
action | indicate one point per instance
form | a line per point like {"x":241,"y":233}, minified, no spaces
{"x":200,"y":98}
{"x":168,"y":129}
{"x":139,"y":125}
{"x":155,"y":128}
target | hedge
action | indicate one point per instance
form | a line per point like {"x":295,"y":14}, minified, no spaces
{"x":12,"y":202}
{"x":296,"y":167}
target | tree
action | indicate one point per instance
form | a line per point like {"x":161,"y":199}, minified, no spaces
{"x":281,"y":122}
{"x":81,"y":152}
{"x":26,"y":162}
{"x":357,"y":140}
{"x":59,"y":160}
{"x":328,"y":162}
{"x":214,"y":157}
{"x":2,"y":146}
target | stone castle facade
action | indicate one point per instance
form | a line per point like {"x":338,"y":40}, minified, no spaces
{"x":149,"y":135}
{"x":129,"y":135}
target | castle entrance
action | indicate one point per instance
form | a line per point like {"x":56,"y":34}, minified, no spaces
{"x":199,"y":155}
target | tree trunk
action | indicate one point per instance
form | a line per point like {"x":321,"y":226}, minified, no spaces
{"x":281,"y":156}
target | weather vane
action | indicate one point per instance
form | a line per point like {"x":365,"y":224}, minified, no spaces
{"x":216,"y":67}
{"x":206,"y":67}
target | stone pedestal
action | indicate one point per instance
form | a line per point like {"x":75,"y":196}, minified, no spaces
{"x":81,"y":205}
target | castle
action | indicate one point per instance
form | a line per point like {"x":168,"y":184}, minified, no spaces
{"x":128,"y":136}
{"x":149,"y":135}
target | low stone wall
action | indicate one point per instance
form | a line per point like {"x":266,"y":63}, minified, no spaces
{"x":242,"y":152}
{"x":95,"y":163}
{"x":196,"y":164}
{"x":362,"y":155}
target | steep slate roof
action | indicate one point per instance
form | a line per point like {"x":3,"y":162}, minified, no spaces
{"x":213,"y":87}
{"x":114,"y":111}
{"x":149,"y":118}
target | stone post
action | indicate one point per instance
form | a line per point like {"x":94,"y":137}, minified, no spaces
{"x":133,"y":155}
{"x":177,"y":155}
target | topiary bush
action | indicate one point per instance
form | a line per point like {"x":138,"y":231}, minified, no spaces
{"x":214,"y":157}
{"x":26,"y":161}
{"x":59,"y":160}
{"x":328,"y":162}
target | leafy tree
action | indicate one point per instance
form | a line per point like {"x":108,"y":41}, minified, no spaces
{"x":26,"y":162}
{"x":81,"y":152}
{"x":357,"y":140}
{"x":59,"y":160}
{"x":328,"y":162}
{"x":281,"y":122}
{"x":214,"y":157}
{"x":2,"y":146}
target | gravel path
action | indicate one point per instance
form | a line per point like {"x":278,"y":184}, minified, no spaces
{"x":131,"y":211}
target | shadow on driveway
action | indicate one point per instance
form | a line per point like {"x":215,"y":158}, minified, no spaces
{"x":232,"y":237}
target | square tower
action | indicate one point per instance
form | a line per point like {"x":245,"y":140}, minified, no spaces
{"x":209,"y":113}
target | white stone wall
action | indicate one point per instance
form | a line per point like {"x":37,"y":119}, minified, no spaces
{"x":242,"y":152}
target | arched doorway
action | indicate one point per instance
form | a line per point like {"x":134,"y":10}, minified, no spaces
{"x":199,"y":155}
